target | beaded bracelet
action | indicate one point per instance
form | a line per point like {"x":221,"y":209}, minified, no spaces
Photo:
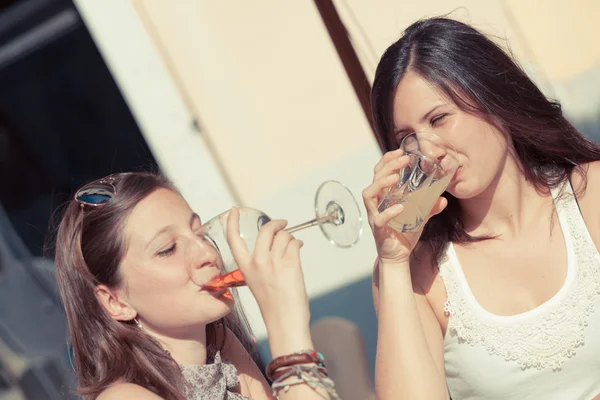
{"x":310,"y":375}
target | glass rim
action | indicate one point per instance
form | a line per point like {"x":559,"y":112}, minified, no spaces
{"x":428,"y":132}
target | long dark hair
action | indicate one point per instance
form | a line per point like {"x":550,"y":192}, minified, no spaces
{"x":482,"y":79}
{"x":89,"y":249}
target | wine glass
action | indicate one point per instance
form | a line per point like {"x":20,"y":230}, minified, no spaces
{"x":336,"y":213}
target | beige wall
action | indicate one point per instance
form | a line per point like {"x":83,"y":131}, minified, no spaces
{"x":562,"y":39}
{"x":266,"y":84}
{"x":562,"y":36}
{"x":381,"y":22}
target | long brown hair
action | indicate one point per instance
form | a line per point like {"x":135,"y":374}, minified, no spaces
{"x":89,"y":249}
{"x":481,"y":79}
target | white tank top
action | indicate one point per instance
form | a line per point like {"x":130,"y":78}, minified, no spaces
{"x":551,"y":352}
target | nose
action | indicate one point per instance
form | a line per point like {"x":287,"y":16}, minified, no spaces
{"x":431,"y":149}
{"x":438,"y":153}
{"x":199,"y":254}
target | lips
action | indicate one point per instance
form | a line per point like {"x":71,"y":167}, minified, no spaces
{"x":224,"y":292}
{"x":203,"y":287}
{"x":215,"y":293}
{"x":214,"y":276}
{"x":219,"y":293}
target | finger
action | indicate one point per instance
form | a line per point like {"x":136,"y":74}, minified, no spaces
{"x":392,"y":167}
{"x":373,"y":193}
{"x":238,"y":247}
{"x":280,"y":244}
{"x":438,"y":207}
{"x":382,"y":220}
{"x":265,"y":238}
{"x":387,"y":157}
{"x":293,"y":250}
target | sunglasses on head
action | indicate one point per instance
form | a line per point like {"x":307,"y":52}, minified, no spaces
{"x":97,"y":193}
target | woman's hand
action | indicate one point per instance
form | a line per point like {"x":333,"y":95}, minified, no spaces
{"x":393,"y":247}
{"x":274,"y":275}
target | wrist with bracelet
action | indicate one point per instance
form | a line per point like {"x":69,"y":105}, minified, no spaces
{"x":300,"y":357}
{"x":307,"y":366}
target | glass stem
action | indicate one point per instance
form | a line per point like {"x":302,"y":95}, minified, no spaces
{"x":308,"y":224}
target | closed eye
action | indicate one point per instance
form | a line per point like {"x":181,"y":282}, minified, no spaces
{"x":168,"y":252}
{"x":435,"y":121}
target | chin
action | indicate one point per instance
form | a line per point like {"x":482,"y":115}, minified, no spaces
{"x":224,"y":305}
{"x":462,"y":190}
{"x":228,"y":301}
{"x":214,"y":308}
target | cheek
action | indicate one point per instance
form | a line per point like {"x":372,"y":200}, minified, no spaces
{"x":186,"y":309}
{"x":481,"y":144}
{"x":151,"y":283}
{"x":165,"y":302}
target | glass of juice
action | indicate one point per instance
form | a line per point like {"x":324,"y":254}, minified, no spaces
{"x":432,"y":163}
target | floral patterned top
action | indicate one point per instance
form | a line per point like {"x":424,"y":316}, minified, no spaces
{"x":215,"y":380}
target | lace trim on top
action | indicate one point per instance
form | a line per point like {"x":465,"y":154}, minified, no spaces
{"x":216,"y":380}
{"x":549,"y":338}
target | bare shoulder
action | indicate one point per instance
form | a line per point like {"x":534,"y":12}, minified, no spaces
{"x":127,"y":391}
{"x":586,"y":180}
{"x":586,"y":184}
{"x":587,"y":189}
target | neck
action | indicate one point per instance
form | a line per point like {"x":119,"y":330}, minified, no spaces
{"x":505,"y":207}
{"x":187,"y":350}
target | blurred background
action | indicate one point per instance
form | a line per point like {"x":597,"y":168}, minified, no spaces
{"x":239,"y":103}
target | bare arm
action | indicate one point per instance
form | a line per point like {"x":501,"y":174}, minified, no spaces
{"x":274,"y":275}
{"x":409,"y":362}
{"x":410,"y":353}
{"x":287,"y":343}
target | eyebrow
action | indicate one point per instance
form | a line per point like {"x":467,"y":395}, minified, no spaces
{"x":166,"y":228}
{"x":423,"y":118}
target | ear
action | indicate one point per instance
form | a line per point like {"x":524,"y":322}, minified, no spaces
{"x":114,"y":305}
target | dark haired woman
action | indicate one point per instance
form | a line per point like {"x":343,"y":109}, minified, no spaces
{"x":132,"y":263}
{"x":498,"y":296}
